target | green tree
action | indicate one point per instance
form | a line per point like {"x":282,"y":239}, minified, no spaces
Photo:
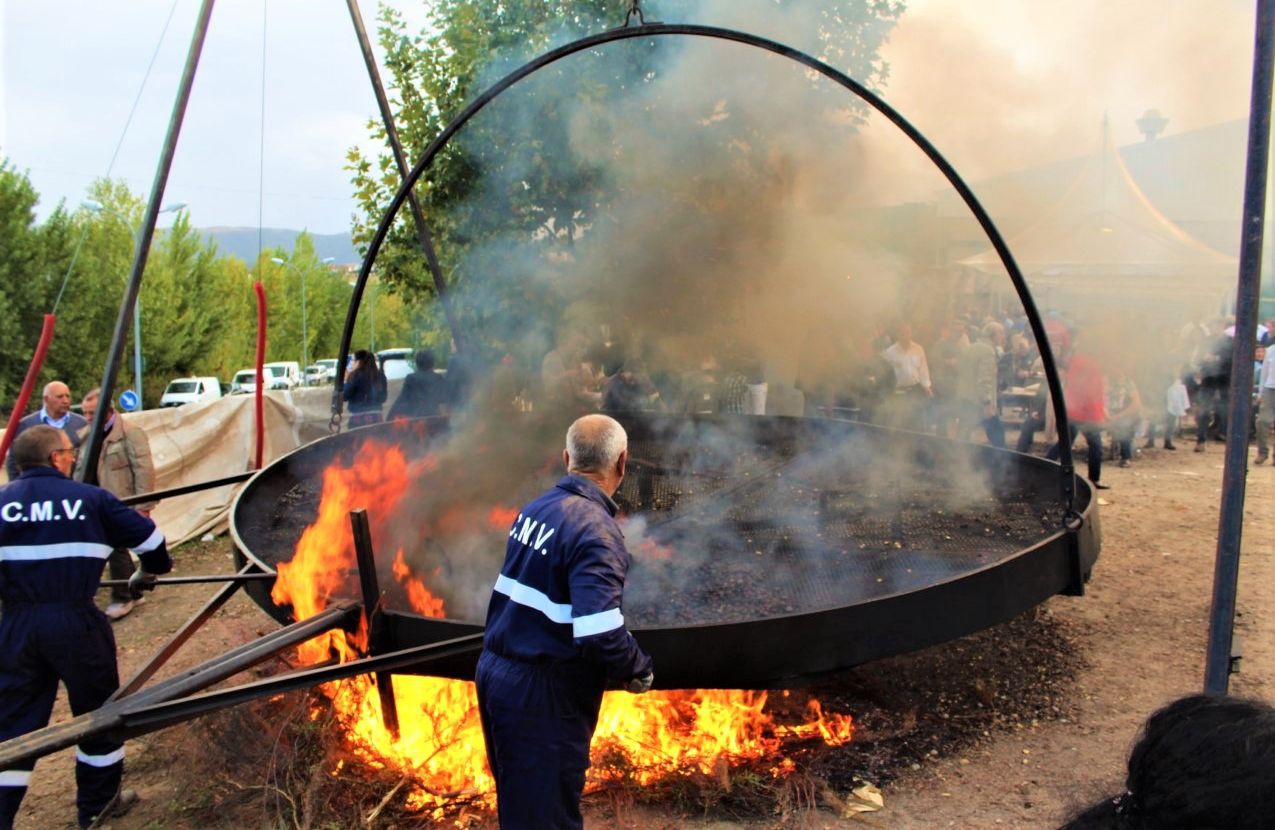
{"x":514,"y":174}
{"x":33,"y":259}
{"x":235,"y":346}
{"x":95,"y":287}
{"x":198,"y":309}
{"x":182,"y":311}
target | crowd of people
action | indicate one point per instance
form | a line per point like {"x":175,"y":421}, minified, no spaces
{"x":978,"y":373}
{"x":976,"y":376}
{"x":957,"y":380}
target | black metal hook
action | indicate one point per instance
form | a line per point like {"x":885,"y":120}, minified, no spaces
{"x":635,"y":8}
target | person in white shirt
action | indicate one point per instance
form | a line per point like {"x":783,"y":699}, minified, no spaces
{"x":911,"y":377}
{"x":1266,"y":404}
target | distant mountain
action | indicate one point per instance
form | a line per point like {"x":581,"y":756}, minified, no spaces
{"x":242,"y":242}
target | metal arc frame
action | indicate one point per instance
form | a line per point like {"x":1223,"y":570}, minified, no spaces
{"x":1068,"y":486}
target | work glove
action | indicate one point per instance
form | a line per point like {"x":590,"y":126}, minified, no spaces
{"x":640,"y":684}
{"x":141,"y":581}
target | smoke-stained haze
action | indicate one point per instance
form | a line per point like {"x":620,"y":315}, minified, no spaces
{"x":723,"y":203}
{"x":1000,"y":85}
{"x":719,"y":211}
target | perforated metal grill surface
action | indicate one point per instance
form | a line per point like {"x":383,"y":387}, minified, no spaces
{"x":733,"y":520}
{"x":761,"y":525}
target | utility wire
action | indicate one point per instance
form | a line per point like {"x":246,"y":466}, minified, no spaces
{"x":118,"y":145}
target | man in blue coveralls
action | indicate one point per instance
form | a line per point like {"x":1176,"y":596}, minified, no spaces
{"x":55,"y":536}
{"x":555,"y":635}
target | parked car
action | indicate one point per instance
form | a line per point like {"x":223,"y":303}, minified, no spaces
{"x":282,"y":374}
{"x":327,"y":370}
{"x":244,"y":382}
{"x":396,"y":363}
{"x":190,"y":390}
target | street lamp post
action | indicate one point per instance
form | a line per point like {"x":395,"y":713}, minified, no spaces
{"x":305,"y":338}
{"x":98,"y":207}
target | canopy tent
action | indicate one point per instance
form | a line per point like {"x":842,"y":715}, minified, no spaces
{"x":1104,"y":239}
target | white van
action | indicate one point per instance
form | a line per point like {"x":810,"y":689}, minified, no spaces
{"x":244,"y":382}
{"x":190,"y":390}
{"x":283,"y":374}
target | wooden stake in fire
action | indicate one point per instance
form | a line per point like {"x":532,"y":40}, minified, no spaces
{"x":372,"y":614}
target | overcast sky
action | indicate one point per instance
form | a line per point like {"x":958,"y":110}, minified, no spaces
{"x":996,"y":84}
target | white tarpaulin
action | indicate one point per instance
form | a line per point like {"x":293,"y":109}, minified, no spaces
{"x":207,"y":441}
{"x":201,"y":442}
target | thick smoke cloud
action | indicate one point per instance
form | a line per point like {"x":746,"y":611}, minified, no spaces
{"x":730,"y":225}
{"x":732,"y":210}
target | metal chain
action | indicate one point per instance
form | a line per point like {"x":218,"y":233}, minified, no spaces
{"x":334,"y":423}
{"x":635,"y":9}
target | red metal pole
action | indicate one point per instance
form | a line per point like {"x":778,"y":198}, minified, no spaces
{"x":33,"y":372}
{"x":261,"y":380}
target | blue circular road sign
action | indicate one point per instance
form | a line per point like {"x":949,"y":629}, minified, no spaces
{"x":128,"y":400}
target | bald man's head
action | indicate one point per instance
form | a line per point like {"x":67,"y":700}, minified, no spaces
{"x":597,"y":448}
{"x":57,"y":399}
{"x":594,"y":443}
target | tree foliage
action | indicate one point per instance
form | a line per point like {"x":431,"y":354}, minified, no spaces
{"x":29,"y":274}
{"x":511,"y":172}
{"x":198,"y":308}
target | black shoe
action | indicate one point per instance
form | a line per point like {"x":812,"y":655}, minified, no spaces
{"x":1168,"y":445}
{"x":1150,"y":445}
{"x":1098,"y":486}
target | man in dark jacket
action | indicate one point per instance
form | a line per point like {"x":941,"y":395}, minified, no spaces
{"x":556,"y":636}
{"x":1214,"y":395}
{"x":425,"y":392}
{"x":56,"y":412}
{"x":55,"y":536}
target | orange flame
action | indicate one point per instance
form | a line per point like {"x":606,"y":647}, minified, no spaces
{"x":417,"y":594}
{"x":502,"y":518}
{"x":441,"y":742}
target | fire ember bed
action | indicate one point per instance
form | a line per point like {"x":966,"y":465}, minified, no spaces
{"x":763,"y":547}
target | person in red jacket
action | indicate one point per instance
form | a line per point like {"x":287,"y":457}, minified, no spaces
{"x":1085,"y":390}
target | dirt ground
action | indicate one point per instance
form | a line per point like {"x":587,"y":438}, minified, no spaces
{"x":1138,"y":639}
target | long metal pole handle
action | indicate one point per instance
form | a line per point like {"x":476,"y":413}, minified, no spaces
{"x":194,"y":580}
